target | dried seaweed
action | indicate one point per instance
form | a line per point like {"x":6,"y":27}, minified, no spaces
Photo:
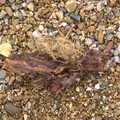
{"x":46,"y":72}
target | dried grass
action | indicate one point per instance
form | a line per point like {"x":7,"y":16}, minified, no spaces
{"x":58,"y":47}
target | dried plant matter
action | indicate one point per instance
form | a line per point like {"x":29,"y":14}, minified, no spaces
{"x":34,"y":62}
{"x":59,"y":46}
{"x":56,"y":74}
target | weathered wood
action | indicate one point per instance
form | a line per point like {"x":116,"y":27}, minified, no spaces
{"x":56,"y":74}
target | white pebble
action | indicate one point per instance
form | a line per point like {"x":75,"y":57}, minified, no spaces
{"x":104,"y":97}
{"x":77,"y":89}
{"x":97,"y":86}
{"x":25,"y":117}
{"x":24,"y":4}
{"x":88,"y":41}
{"x":23,"y":13}
{"x":78,"y":79}
{"x":36,"y":34}
{"x":41,"y":27}
{"x":118,"y":34}
{"x":64,"y":24}
{"x":99,"y":6}
{"x":116,"y":52}
{"x":88,"y":89}
{"x":30,"y":6}
{"x":105,"y":2}
{"x":116,"y":59}
{"x":106,"y":108}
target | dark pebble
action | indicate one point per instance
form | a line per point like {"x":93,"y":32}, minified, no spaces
{"x":64,"y":10}
{"x":76,"y":17}
{"x":11,"y":108}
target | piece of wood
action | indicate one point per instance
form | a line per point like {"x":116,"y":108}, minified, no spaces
{"x":56,"y":74}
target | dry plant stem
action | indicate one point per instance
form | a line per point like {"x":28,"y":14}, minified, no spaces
{"x":56,"y":74}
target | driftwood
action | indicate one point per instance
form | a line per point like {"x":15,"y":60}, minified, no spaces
{"x":56,"y":74}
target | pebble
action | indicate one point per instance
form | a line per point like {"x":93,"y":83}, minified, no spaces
{"x":104,"y":84}
{"x":41,"y":27}
{"x":97,"y":86}
{"x":118,"y":34}
{"x":23,"y":13}
{"x":2,"y":75}
{"x":1,"y":37}
{"x":15,"y":7}
{"x":17,"y":14}
{"x":15,"y":21}
{"x":108,"y":36}
{"x":112,"y":2}
{"x":2,"y":1}
{"x":24,"y":4}
{"x":118,"y":69}
{"x":98,"y":118}
{"x":116,"y":59}
{"x":70,"y":106}
{"x":119,"y":29}
{"x":116,"y":52}
{"x":64,"y":10}
{"x":89,"y":6}
{"x":59,"y":14}
{"x":81,"y":26}
{"x":64,"y":24}
{"x":11,"y":108}
{"x":52,"y":32}
{"x":91,"y":28}
{"x":75,"y":17}
{"x":9,"y":11}
{"x":77,"y":89}
{"x":100,"y":6}
{"x":78,"y":79}
{"x":100,"y":36}
{"x":105,"y":2}
{"x":118,"y":48}
{"x":78,"y":31}
{"x":31,"y":14}
{"x":71,"y":5}
{"x":28,"y":27}
{"x":88,"y":89}
{"x":6,"y":20}
{"x":75,"y":37}
{"x":36,"y":34}
{"x":25,"y":116}
{"x":2,"y":14}
{"x":88,"y":41}
{"x":2,"y":87}
{"x":30,"y":6}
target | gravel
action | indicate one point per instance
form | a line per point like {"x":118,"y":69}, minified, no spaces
{"x":2,"y":75}
{"x":9,"y":11}
{"x":87,"y":25}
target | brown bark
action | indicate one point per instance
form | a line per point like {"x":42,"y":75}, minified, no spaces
{"x":56,"y":74}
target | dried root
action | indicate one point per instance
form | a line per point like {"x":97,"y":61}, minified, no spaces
{"x":56,"y":74}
